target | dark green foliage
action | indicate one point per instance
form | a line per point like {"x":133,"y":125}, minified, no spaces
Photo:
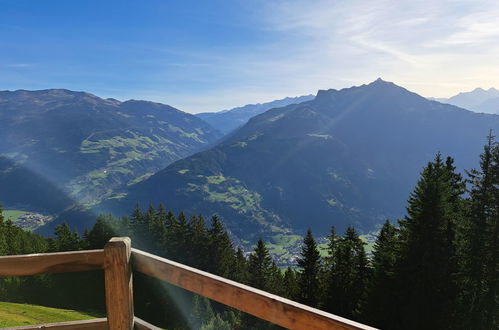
{"x":221,"y":258}
{"x":290,"y":284}
{"x":426,"y":269}
{"x":479,"y":244}
{"x":381,"y":292}
{"x":240,"y":270}
{"x":347,"y":274}
{"x":216,"y":323}
{"x":261,"y":267}
{"x":105,"y":227}
{"x":201,"y":311}
{"x":65,"y":239}
{"x":437,"y":270}
{"x":308,"y":276}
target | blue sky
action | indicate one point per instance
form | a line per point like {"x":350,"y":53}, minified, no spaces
{"x":212,"y":55}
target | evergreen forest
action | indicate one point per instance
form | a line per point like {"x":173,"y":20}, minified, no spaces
{"x":437,"y":268}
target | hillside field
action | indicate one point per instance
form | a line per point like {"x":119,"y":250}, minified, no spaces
{"x":12,"y":314}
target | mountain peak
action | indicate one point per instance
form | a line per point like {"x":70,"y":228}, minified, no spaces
{"x":479,"y":89}
{"x":380,"y":82}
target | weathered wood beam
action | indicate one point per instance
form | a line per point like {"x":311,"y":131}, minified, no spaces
{"x":140,"y":324}
{"x":59,"y":262}
{"x":118,"y":281}
{"x":267,"y":306}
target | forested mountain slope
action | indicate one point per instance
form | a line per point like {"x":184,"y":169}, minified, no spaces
{"x":24,"y":189}
{"x":90,"y":146}
{"x":349,"y":156}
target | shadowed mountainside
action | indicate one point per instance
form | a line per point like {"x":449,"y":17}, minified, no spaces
{"x":347,"y":157}
{"x":23,"y":188}
{"x":90,"y":146}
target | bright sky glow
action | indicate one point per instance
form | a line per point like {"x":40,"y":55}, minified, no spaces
{"x":212,"y":55}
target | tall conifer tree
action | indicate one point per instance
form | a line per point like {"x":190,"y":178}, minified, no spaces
{"x":379,"y":307}
{"x":426,"y":269}
{"x":479,"y":244}
{"x":310,"y":266}
{"x":347,"y":275}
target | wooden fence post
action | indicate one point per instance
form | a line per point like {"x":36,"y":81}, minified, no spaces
{"x":118,"y":281}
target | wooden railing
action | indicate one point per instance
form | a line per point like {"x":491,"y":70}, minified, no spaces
{"x":118,"y":259}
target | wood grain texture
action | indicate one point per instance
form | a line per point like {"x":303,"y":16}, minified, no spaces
{"x":267,"y":306}
{"x":60,"y":262}
{"x":93,"y":324}
{"x":140,"y":324}
{"x":118,"y":281}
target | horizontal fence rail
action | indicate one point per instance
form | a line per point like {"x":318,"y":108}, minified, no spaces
{"x":46,"y":263}
{"x":118,"y":260}
{"x":267,"y":306}
{"x":93,"y":324}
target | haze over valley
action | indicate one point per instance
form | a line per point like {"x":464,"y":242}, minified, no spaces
{"x":249,"y":165}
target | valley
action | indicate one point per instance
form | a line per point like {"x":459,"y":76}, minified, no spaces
{"x":347,"y":157}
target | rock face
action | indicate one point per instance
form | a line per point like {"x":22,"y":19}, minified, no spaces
{"x":348,"y":156}
{"x":227,"y":121}
{"x":89,"y":146}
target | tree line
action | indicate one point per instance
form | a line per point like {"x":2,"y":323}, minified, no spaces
{"x":437,"y":268}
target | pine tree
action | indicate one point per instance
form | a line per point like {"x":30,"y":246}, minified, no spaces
{"x":101,"y":232}
{"x":202,"y":311}
{"x":178,"y":239}
{"x":263,"y":273}
{"x":290,"y":284}
{"x":478,"y":248}
{"x":137,"y":228}
{"x":199,"y":239}
{"x":426,"y":269}
{"x":310,"y":265}
{"x":240,"y":268}
{"x":66,"y":239}
{"x":260,"y":267}
{"x":221,"y":256}
{"x":347,"y":275}
{"x":379,"y":308}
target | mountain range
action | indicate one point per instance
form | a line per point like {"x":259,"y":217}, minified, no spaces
{"x":343,"y":157}
{"x":347,"y":157}
{"x":478,"y":100}
{"x":228,"y":120}
{"x":87,"y":146}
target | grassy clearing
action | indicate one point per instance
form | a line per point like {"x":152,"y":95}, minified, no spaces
{"x":23,"y":314}
{"x":13,"y":215}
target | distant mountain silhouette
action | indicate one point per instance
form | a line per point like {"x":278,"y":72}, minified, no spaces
{"x":478,"y":100}
{"x":347,"y":157}
{"x":488,"y":106}
{"x":91,"y":146}
{"x":228,"y":120}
